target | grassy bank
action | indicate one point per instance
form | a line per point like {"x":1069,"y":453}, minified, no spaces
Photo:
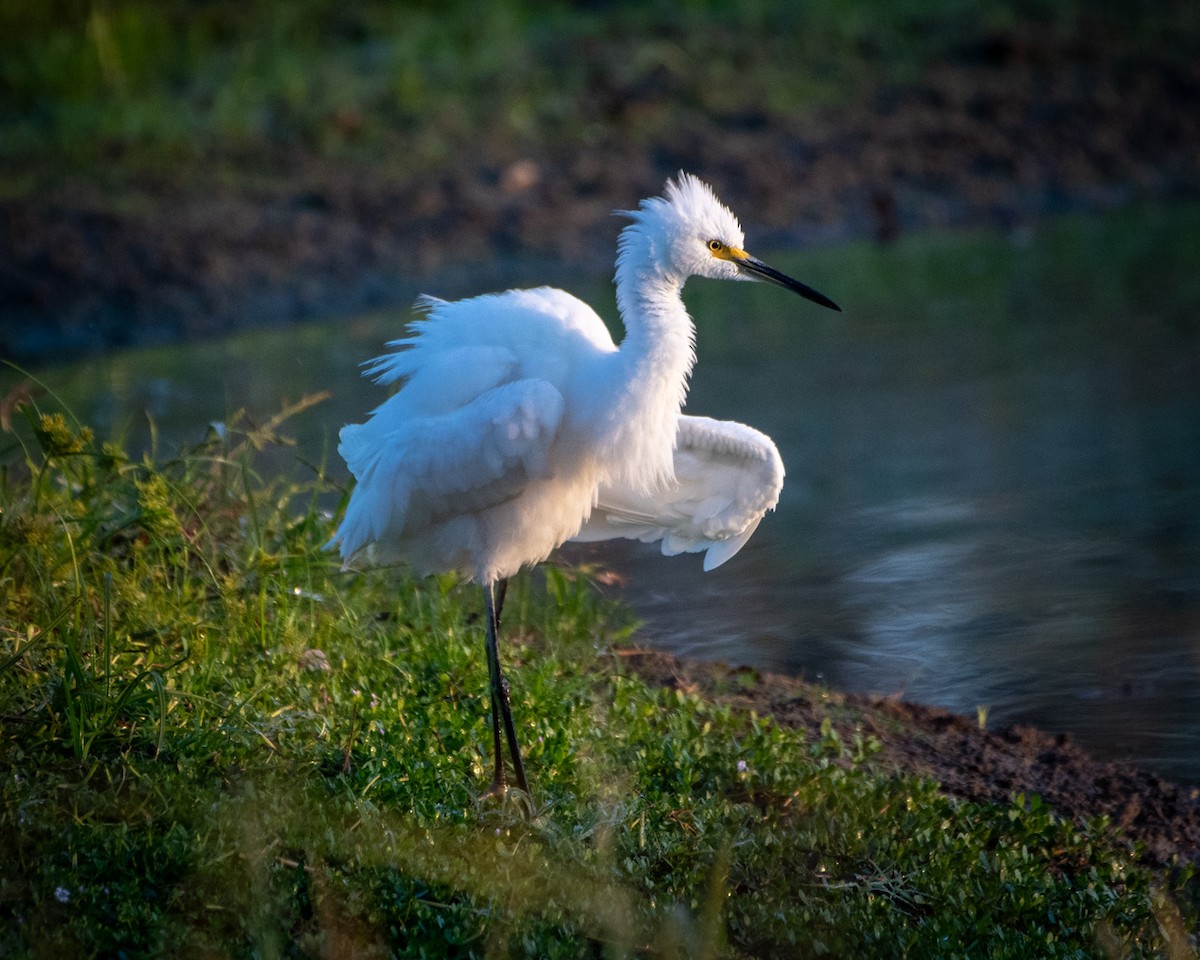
{"x":216,"y":744}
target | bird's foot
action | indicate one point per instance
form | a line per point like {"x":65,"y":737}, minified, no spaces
{"x":500,"y":796}
{"x":496,"y":793}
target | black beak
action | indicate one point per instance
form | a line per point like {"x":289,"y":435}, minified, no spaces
{"x":760,"y":271}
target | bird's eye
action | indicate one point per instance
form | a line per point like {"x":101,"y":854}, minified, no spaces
{"x":715,"y":245}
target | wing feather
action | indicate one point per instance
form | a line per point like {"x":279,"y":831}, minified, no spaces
{"x":727,"y":476}
{"x":483,"y":392}
{"x":419,"y":471}
{"x":538,"y":324}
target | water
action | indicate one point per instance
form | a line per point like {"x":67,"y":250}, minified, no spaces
{"x":993,"y":493}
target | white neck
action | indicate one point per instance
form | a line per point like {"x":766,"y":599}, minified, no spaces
{"x":656,"y":357}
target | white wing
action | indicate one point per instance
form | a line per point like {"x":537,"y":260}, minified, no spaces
{"x":484,"y":390}
{"x":542,"y":331}
{"x":423,"y":470}
{"x":727,"y":475}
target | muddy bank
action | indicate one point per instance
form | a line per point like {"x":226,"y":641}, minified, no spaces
{"x":970,"y":762}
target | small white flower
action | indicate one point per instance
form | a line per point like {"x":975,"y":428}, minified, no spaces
{"x":743,"y":766}
{"x":62,"y":894}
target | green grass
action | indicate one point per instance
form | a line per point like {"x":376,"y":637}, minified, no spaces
{"x":216,"y":744}
{"x":90,"y":83}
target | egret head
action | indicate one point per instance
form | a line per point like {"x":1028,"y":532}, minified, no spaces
{"x":689,"y":232}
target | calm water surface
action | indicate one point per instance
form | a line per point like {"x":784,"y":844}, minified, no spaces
{"x":993,"y":492}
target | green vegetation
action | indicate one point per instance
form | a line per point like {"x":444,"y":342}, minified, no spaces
{"x":98,"y":82}
{"x":214,"y":743}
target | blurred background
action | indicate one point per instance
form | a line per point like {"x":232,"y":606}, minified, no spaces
{"x":180,"y":168}
{"x":993,"y":497}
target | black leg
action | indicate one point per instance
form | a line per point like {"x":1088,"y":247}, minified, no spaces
{"x":501,"y":710}
{"x":499,"y":786}
{"x":501,"y":593}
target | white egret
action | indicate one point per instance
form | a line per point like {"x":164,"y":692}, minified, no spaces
{"x":522,"y":425}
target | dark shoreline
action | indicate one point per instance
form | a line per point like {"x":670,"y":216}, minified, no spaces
{"x":971,"y":762}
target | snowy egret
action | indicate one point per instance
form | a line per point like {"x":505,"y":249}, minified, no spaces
{"x":522,"y":425}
